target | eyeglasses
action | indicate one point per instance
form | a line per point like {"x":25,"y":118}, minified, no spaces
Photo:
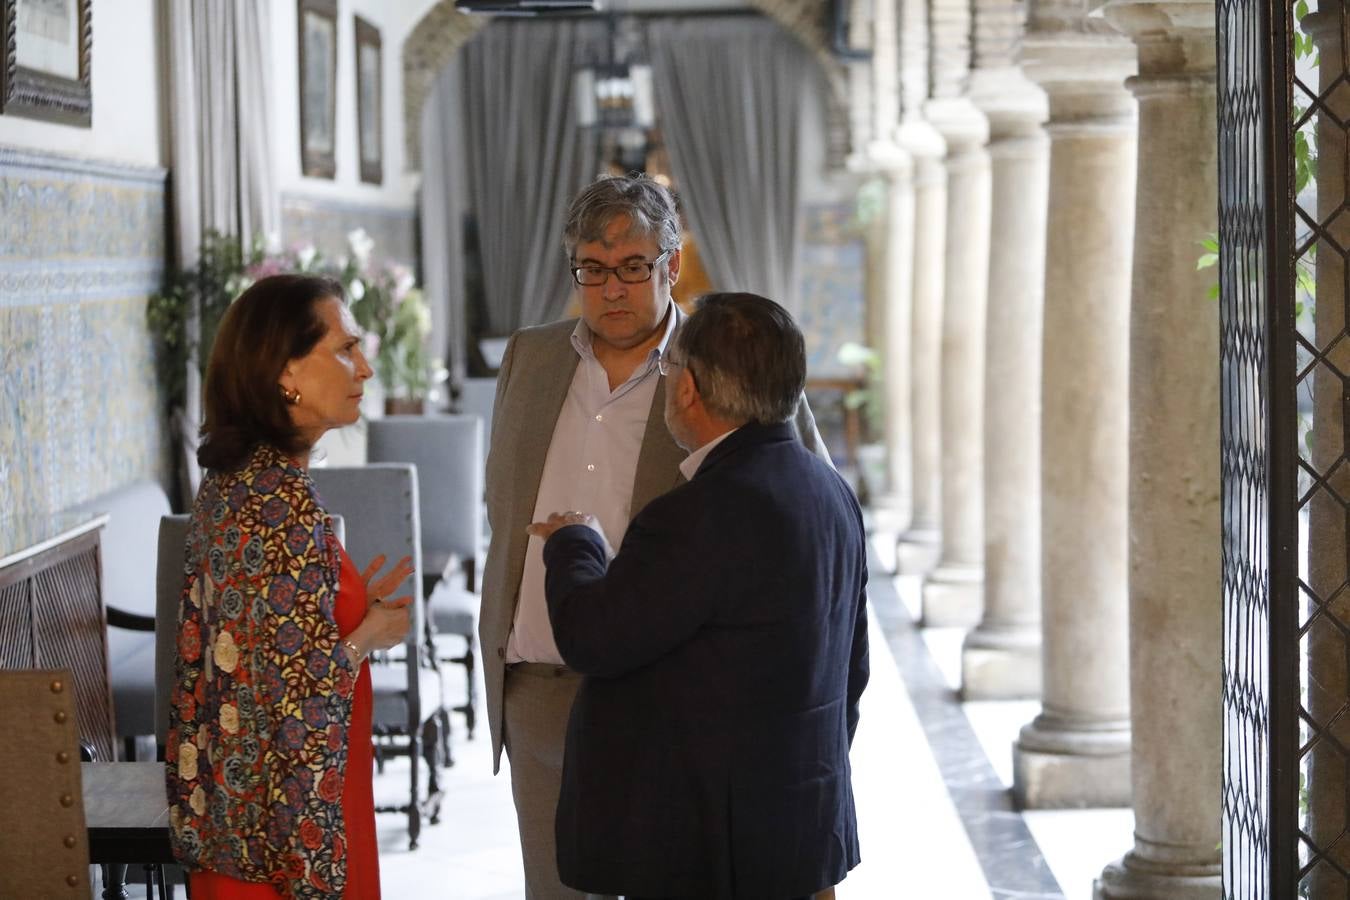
{"x":665,"y":365}
{"x":628,"y":273}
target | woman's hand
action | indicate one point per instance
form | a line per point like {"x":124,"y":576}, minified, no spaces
{"x":380,"y":588}
{"x":386,"y":622}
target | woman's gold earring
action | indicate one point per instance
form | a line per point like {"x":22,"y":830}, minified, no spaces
{"x":291,"y":397}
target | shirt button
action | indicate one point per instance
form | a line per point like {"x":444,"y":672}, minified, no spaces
{"x":590,"y":468}
{"x":600,"y":417}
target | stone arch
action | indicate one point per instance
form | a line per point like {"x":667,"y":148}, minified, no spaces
{"x":443,"y":30}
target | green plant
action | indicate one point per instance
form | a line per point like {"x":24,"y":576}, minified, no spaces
{"x":205,"y":291}
{"x":389,"y":307}
{"x":384,"y":300}
{"x":868,"y":397}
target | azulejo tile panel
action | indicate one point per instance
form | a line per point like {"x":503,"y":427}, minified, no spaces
{"x":81,"y":249}
{"x":831,"y":287}
{"x":326,"y":224}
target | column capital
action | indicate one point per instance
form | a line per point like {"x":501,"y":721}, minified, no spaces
{"x":920,"y":139}
{"x":959,"y":121}
{"x":1084,"y":76}
{"x":1173,"y":36}
{"x":1014,"y":104}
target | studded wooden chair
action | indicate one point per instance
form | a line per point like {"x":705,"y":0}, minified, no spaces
{"x":45,"y":850}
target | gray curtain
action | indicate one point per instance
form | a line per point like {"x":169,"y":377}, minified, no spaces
{"x":221,"y":119}
{"x":443,"y":201}
{"x":729,"y":98}
{"x":502,"y":145}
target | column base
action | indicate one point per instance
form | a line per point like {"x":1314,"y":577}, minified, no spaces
{"x":953,"y":597}
{"x":1001,"y":664}
{"x":1056,"y":766}
{"x":1134,"y":878}
{"x":917,"y":551}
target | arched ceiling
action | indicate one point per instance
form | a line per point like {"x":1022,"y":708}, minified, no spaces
{"x":443,"y":30}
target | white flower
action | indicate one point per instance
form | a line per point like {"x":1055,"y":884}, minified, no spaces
{"x":357,"y":289}
{"x":360,"y":244}
{"x":305,"y":256}
{"x":272,"y":243}
{"x":403,"y":282}
{"x":439,"y":373}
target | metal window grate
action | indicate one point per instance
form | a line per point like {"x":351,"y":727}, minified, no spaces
{"x":1284,"y":100}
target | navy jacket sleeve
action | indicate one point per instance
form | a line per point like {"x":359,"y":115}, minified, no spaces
{"x":610,"y":622}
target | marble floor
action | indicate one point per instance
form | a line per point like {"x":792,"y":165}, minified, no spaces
{"x":930,"y":779}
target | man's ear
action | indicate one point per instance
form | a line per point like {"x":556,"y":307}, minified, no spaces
{"x":686,"y":391}
{"x":673,"y":265}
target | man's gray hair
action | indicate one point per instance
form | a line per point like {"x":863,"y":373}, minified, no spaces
{"x":747,"y":356}
{"x":649,"y":205}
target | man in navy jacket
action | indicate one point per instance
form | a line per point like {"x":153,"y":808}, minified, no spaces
{"x":724,"y":646}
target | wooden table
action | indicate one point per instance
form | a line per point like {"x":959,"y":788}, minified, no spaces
{"x":126,"y":811}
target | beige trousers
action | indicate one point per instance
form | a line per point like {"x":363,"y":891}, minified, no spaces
{"x":538,"y":700}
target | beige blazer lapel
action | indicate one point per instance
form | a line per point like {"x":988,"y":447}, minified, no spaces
{"x":555,"y":366}
{"x":658,"y":468}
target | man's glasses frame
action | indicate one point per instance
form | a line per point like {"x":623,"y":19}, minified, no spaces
{"x":665,"y":365}
{"x":635,"y":272}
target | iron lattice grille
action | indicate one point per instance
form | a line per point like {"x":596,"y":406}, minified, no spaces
{"x":1321,"y":242}
{"x":1243,"y":340}
{"x":1259,"y":458}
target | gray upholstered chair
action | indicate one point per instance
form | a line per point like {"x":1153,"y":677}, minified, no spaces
{"x":127,"y":559}
{"x":379,"y":505}
{"x":476,"y":398}
{"x":448,"y":453}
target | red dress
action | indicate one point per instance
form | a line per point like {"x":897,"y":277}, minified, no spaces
{"x":358,"y":796}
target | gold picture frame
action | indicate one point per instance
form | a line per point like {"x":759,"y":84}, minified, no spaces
{"x":317,"y":33}
{"x":44,"y":73}
{"x":369,"y":101}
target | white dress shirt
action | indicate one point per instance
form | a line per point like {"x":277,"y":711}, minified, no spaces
{"x":591,"y":463}
{"x":695,"y":459}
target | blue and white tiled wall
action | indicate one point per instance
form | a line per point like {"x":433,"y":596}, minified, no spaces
{"x":831,"y":286}
{"x":82,"y":246}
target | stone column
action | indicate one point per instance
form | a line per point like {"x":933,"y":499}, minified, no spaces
{"x":1325,"y":449}
{"x":918,"y":549}
{"x":953,"y":593}
{"x":1174,"y":538}
{"x":1001,"y":657}
{"x":891,"y":161}
{"x":1076,"y":752}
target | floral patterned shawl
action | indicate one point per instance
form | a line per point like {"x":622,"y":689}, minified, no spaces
{"x":262,"y":695}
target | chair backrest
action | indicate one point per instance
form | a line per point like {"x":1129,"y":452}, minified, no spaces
{"x":379,"y":505}
{"x":127,"y":558}
{"x":477,"y":397}
{"x":448,"y":453}
{"x":170,"y":576}
{"x":45,"y":850}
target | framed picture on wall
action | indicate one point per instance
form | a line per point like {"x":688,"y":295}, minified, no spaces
{"x":318,"y":87}
{"x":44,"y":73}
{"x":369,"y":105}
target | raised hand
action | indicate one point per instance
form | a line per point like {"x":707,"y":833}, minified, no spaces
{"x":559,"y":520}
{"x":380,"y":588}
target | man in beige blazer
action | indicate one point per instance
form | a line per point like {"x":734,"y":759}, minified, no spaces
{"x":577,"y":424}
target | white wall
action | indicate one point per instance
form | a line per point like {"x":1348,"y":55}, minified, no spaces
{"x":125,"y":89}
{"x":395,"y":19}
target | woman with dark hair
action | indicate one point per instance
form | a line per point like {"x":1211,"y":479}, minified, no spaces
{"x":268,"y":758}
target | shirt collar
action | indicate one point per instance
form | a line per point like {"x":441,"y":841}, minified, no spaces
{"x":582,"y":337}
{"x":691,"y":463}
